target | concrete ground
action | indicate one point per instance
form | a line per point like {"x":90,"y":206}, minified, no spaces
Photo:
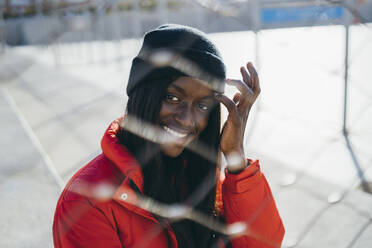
{"x":56,"y":102}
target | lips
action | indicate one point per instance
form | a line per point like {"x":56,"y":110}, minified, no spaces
{"x":174,"y":132}
{"x":178,"y":135}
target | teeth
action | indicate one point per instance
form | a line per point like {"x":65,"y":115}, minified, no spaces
{"x":174,"y":133}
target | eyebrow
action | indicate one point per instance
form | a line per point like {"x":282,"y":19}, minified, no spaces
{"x":178,"y":88}
{"x":182,"y":91}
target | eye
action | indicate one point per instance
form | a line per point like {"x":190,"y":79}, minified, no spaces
{"x":172,"y":98}
{"x":203,"y":106}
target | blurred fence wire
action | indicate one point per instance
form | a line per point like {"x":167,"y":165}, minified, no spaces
{"x":67,"y":25}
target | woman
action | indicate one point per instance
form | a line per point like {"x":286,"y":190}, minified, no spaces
{"x":165,"y":150}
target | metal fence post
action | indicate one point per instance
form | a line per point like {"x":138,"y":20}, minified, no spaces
{"x":137,"y":19}
{"x":2,"y":30}
{"x":162,"y":11}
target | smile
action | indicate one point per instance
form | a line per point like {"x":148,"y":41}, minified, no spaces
{"x":174,"y":133}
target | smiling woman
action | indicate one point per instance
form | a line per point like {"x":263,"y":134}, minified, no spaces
{"x":157,"y":182}
{"x":184,"y":113}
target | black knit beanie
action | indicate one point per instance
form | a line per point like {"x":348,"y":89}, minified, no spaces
{"x":173,"y":47}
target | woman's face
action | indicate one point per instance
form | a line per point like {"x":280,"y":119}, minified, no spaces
{"x":184,"y":113}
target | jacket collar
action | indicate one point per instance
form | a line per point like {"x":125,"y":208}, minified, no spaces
{"x":128,"y":165}
{"x":120,"y":155}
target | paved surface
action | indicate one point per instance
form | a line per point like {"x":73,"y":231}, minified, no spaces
{"x":52,"y":119}
{"x":27,"y":188}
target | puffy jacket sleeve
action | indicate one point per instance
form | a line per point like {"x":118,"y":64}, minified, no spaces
{"x":79,"y":224}
{"x":247,"y":198}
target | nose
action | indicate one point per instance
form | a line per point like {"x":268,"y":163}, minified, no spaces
{"x":185,"y":116}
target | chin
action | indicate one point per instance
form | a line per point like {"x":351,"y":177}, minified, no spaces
{"x":172,"y":151}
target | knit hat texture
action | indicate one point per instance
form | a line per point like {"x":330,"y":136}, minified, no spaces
{"x":183,"y":48}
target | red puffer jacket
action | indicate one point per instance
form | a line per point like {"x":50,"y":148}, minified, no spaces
{"x":98,"y":205}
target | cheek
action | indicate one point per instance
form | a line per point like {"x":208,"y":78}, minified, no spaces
{"x":165,"y":110}
{"x":202,"y":122}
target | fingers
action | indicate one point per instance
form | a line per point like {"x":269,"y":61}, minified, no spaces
{"x":249,"y":91}
{"x":229,"y":104}
{"x":255,"y":82}
{"x":236,"y":98}
{"x":242,"y":87}
{"x":250,"y":84}
{"x":246,"y":77}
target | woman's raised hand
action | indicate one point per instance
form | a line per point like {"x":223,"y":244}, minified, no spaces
{"x":232,"y":135}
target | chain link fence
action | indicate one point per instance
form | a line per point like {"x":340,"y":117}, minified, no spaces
{"x":310,"y":128}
